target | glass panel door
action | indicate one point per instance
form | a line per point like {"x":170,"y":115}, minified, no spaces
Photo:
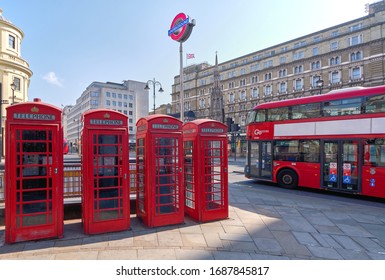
{"x":213,"y":151}
{"x":341,"y":164}
{"x":166,"y":175}
{"x":190,"y":191}
{"x":255,"y":168}
{"x":350,"y":168}
{"x":266,"y":160}
{"x":331,"y":164}
{"x":108,"y":190}
{"x":34,"y":177}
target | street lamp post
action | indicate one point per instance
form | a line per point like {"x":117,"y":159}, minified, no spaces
{"x":320,"y":84}
{"x":154,"y":83}
{"x":13,"y":87}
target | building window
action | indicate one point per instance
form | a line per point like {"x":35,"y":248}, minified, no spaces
{"x":231,"y":97}
{"x":282,"y":59}
{"x":298,"y":69}
{"x":267,"y":90}
{"x":12,"y":42}
{"x":268,"y":64}
{"x":356,"y":73}
{"x":335,"y":77}
{"x":298,"y":84}
{"x":254,"y":67}
{"x":335,"y":61}
{"x":356,"y":27}
{"x":282,"y":73}
{"x":16,"y":81}
{"x":298,"y":55}
{"x":315,"y":65}
{"x":254,"y":79}
{"x":108,"y":94}
{"x":108,"y":102}
{"x":202,"y":103}
{"x":334,"y":46}
{"x":242,"y":82}
{"x":355,"y":40}
{"x":255,"y":93}
{"x":113,"y":95}
{"x":267,"y":76}
{"x":355,"y":56}
{"x":335,"y":33}
{"x":282,"y":88}
{"x":243,"y":95}
{"x":314,"y":80}
{"x":315,"y":51}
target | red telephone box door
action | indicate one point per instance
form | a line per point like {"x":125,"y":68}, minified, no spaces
{"x":167,"y":179}
{"x":214,"y":179}
{"x":33,"y":207}
{"x":107,"y":195}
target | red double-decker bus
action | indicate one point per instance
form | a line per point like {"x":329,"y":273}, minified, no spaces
{"x":334,"y":141}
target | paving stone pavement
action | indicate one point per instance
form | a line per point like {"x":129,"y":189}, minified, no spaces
{"x":265,"y":223}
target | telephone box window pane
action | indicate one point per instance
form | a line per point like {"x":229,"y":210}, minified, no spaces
{"x":34,"y":171}
{"x":106,"y":193}
{"x":34,"y":183}
{"x":107,"y":150}
{"x":35,"y":135}
{"x":36,"y":220}
{"x":34,"y":196}
{"x":107,"y":182}
{"x":34,"y":207}
{"x":108,"y":139}
{"x":33,"y":147}
{"x":106,"y":215}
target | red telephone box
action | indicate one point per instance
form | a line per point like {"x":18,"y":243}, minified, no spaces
{"x":33,"y":172}
{"x":205,"y":170}
{"x":159,"y":185}
{"x":105,"y":172}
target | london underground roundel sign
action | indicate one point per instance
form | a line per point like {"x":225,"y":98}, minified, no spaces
{"x":181,"y":28}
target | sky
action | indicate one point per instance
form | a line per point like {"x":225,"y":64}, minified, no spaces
{"x":70,"y":44}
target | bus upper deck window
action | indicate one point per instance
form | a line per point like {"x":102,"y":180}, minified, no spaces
{"x":251,"y":117}
{"x":261,"y":116}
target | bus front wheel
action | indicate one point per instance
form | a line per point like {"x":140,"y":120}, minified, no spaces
{"x":287,"y":179}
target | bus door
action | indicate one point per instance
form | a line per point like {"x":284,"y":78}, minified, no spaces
{"x":261,"y":159}
{"x":340,"y":165}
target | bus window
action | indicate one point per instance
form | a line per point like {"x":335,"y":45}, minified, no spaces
{"x":351,"y":106}
{"x":278,"y":114}
{"x":297,"y":150}
{"x":375,"y":104}
{"x":305,"y":111}
{"x":250,"y":117}
{"x":261,"y":116}
{"x":374,"y":152}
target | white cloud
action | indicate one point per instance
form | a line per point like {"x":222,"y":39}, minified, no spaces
{"x":51,"y":78}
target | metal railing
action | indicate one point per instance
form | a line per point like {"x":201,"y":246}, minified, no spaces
{"x":73,"y":181}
